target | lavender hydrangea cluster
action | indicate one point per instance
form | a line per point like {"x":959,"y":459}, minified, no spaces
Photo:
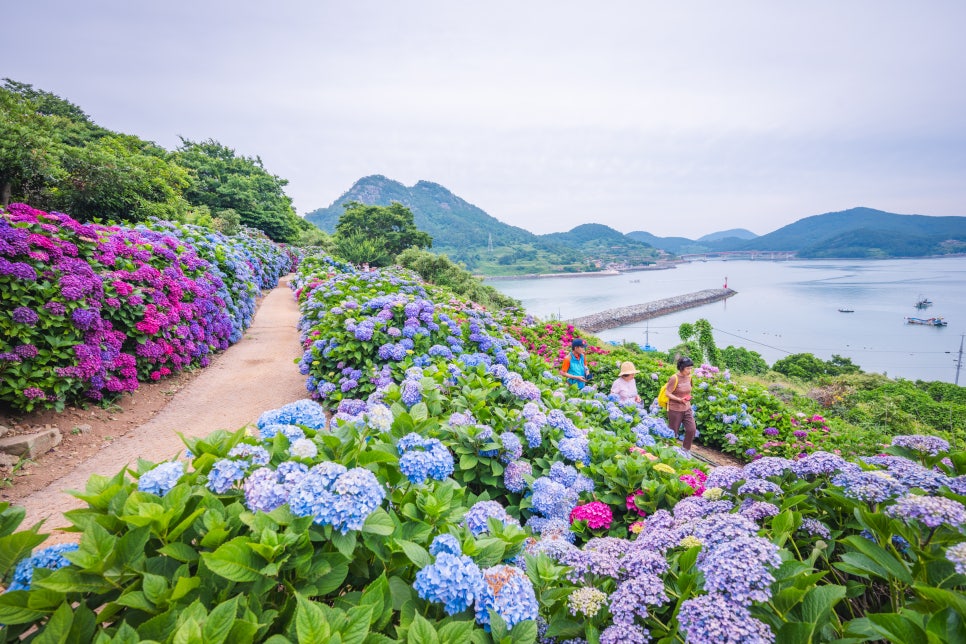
{"x":928,"y":445}
{"x":477,"y":517}
{"x":871,"y":487}
{"x":423,"y":458}
{"x":713,"y":619}
{"x":930,"y":511}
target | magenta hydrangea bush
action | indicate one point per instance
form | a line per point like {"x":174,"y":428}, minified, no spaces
{"x":91,"y":310}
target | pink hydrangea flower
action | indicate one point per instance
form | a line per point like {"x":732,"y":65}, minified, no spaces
{"x":596,"y":514}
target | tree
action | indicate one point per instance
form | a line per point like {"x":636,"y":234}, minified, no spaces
{"x":741,"y":360}
{"x":28,"y":150}
{"x":699,"y":342}
{"x":390,"y":228}
{"x":222,"y":180}
{"x":120,"y":178}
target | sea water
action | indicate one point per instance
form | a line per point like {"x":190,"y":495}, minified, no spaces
{"x":785,"y":307}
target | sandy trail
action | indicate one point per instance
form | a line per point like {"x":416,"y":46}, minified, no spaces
{"x":256,"y":374}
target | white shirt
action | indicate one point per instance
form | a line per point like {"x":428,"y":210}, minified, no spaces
{"x":625,"y":389}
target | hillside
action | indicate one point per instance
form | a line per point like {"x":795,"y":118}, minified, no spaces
{"x":469,"y":235}
{"x":864,"y":232}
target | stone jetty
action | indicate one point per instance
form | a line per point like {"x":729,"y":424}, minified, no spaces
{"x":612,"y":318}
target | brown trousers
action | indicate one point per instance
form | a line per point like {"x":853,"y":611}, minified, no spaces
{"x":677,"y":418}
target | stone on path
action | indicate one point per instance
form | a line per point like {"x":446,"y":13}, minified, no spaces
{"x":31,"y":445}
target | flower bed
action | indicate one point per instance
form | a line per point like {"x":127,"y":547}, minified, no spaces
{"x":90,"y":310}
{"x":470,"y":496}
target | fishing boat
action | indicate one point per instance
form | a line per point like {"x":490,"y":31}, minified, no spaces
{"x":927,"y":321}
{"x":923,"y":302}
{"x":846,"y":310}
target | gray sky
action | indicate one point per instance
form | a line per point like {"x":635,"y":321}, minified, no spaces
{"x":678,"y":118}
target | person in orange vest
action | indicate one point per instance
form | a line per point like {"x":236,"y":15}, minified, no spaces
{"x":574,"y":367}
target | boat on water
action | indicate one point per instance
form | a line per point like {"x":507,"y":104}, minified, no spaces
{"x":938,"y":321}
{"x":846,"y":310}
{"x":923,"y":302}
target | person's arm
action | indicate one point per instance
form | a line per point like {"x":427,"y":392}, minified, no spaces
{"x":670,"y":390}
{"x":615,"y":389}
{"x":565,"y":366}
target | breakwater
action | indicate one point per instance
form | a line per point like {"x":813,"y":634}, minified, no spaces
{"x":612,"y":318}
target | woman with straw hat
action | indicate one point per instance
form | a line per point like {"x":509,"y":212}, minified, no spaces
{"x":624,"y":387}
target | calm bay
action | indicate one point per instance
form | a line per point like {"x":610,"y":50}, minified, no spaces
{"x":785,"y":307}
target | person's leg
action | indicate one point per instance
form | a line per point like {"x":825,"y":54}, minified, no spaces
{"x":674,"y":419}
{"x":690,"y":428}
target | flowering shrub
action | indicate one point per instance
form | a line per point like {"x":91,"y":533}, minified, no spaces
{"x":91,"y":309}
{"x":399,"y":519}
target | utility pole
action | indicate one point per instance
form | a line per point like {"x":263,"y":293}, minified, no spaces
{"x":959,"y":360}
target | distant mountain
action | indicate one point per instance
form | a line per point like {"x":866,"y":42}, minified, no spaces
{"x":738,"y":233}
{"x":865,"y":232}
{"x":673,"y":245}
{"x":605,"y":244}
{"x":452,"y":222}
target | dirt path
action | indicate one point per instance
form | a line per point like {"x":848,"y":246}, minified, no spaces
{"x":254,"y":375}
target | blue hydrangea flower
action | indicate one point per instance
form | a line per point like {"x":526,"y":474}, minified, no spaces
{"x":410,"y":392}
{"x":478,"y":516}
{"x":263,"y":491}
{"x":51,"y":558}
{"x":225,"y":474}
{"x":576,"y":449}
{"x":256,"y":454}
{"x":424,"y":458}
{"x":445,"y":543}
{"x":453,"y":580}
{"x":514,"y":476}
{"x":507,"y":591}
{"x":162,"y":478}
{"x":512,"y":448}
{"x":301,"y":412}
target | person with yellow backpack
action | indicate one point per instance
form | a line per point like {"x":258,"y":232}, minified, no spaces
{"x":676,"y":395}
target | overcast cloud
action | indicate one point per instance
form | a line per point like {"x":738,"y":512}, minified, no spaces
{"x":678,"y":118}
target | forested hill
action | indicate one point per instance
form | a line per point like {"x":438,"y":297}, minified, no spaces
{"x":468,"y":234}
{"x":857,"y":232}
{"x":452,"y":222}
{"x":864,"y":232}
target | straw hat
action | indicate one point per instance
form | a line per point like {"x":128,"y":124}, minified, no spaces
{"x":627,"y":368}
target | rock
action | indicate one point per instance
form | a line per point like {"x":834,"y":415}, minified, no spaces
{"x":82,"y":429}
{"x":7,"y":461}
{"x":31,"y":445}
{"x":4,"y":429}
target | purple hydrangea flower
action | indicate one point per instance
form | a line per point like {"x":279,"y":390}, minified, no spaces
{"x":931,"y":511}
{"x":713,"y":619}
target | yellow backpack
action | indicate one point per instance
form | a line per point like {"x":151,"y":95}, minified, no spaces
{"x":662,"y":398}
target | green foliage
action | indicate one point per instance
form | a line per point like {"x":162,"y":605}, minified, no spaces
{"x":376,"y":234}
{"x":741,"y":360}
{"x":438,"y":269}
{"x":55,"y":158}
{"x":699,"y":343}
{"x":807,"y":367}
{"x":222,"y":180}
